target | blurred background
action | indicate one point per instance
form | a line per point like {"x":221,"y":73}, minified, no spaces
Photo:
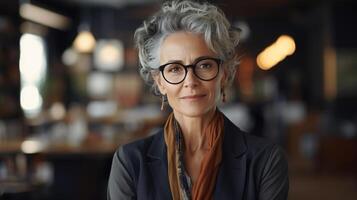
{"x":70,"y":92}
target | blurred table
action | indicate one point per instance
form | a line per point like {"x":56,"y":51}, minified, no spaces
{"x":79,"y":171}
{"x":93,"y":147}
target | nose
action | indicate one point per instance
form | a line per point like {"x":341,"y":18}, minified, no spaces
{"x":191,"y":80}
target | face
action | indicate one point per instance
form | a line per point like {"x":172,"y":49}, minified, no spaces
{"x":192,"y":97}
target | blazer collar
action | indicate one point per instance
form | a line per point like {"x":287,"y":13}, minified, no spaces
{"x":157,"y":163}
{"x":157,"y":149}
{"x":234,"y":142}
{"x":231,"y":177}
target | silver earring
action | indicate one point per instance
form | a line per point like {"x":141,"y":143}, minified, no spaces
{"x":162,"y":102}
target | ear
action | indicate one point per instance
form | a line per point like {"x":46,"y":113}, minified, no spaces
{"x":158,"y":81}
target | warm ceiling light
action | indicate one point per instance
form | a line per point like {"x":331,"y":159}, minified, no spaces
{"x":84,"y":42}
{"x":44,"y":16}
{"x":287,"y":44}
{"x":276,"y":52}
{"x":109,"y":55}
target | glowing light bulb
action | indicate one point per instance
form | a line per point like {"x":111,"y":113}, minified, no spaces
{"x":276,"y":52}
{"x":84,"y":42}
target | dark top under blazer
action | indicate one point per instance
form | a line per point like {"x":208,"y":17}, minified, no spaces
{"x":251,"y":168}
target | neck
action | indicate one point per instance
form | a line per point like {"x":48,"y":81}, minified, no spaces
{"x":193,"y":129}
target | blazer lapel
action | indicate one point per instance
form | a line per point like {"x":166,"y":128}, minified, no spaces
{"x":157,"y":162}
{"x":232,"y":173}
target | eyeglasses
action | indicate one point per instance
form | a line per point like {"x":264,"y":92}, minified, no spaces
{"x":205,"y":69}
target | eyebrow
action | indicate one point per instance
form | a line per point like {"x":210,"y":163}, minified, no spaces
{"x":194,"y":61}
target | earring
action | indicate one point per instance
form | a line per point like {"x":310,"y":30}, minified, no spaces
{"x":162,"y":102}
{"x":223,"y":95}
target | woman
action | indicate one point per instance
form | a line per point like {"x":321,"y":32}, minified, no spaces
{"x":187,"y":53}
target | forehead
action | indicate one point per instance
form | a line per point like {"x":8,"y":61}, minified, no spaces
{"x":183,"y":46}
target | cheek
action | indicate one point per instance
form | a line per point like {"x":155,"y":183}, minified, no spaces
{"x":171,"y":92}
{"x":215,"y":91}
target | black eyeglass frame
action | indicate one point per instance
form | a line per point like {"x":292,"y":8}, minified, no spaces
{"x":193,"y":66}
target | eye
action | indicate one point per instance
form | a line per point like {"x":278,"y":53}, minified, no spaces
{"x":205,"y":66}
{"x":174,"y":68}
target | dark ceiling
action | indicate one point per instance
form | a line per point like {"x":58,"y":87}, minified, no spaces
{"x":9,"y":8}
{"x":233,"y":8}
{"x":268,"y":14}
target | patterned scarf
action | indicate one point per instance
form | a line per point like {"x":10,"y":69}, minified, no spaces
{"x":180,"y":183}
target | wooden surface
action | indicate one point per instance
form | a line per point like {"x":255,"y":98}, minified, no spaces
{"x":92,"y":146}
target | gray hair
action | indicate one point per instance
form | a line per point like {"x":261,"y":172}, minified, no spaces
{"x":189,"y":16}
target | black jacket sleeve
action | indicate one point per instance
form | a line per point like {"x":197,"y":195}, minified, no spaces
{"x":120,"y":184}
{"x":275,"y":180}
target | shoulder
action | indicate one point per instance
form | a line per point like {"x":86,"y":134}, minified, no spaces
{"x":267,"y":157}
{"x":127,"y":163}
{"x":133,"y":156}
{"x":139,"y":148}
{"x":266,"y":162}
{"x":258,"y":145}
{"x":252,"y":146}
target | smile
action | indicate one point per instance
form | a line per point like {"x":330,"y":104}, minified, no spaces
{"x":193,"y":97}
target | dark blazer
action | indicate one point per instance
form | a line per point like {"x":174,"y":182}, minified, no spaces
{"x":251,"y":168}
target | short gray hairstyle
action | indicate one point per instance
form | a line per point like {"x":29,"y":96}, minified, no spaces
{"x":189,"y":16}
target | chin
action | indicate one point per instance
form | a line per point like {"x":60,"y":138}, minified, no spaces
{"x":194,"y":111}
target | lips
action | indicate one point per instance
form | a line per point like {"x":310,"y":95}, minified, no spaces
{"x":193,"y":97}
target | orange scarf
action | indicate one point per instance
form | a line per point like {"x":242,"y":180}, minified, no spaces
{"x":205,"y":184}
